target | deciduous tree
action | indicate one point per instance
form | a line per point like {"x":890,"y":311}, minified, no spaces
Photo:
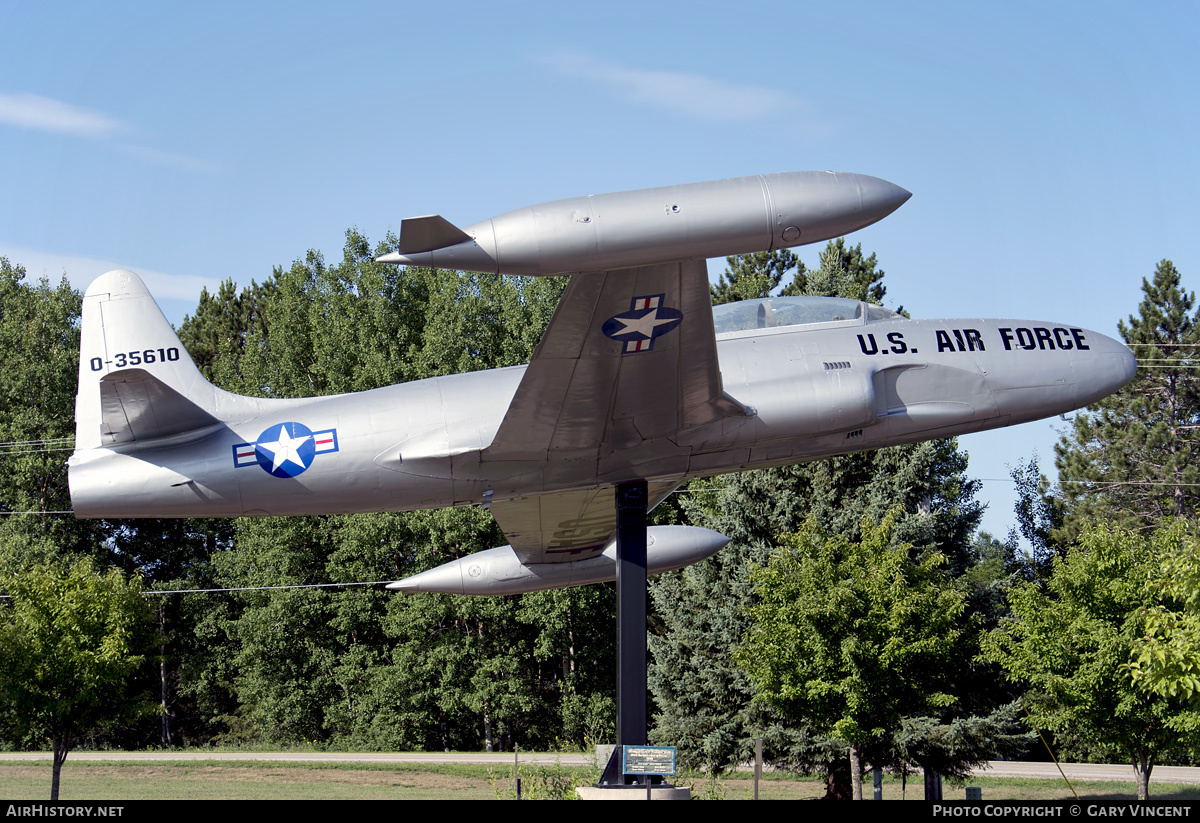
{"x":71,"y":640}
{"x":39,"y":329}
{"x":1072,"y":645}
{"x":851,"y":635}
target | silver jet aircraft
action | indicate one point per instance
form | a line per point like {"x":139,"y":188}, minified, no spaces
{"x":638,"y":377}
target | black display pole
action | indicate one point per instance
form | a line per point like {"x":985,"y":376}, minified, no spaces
{"x":631,"y":625}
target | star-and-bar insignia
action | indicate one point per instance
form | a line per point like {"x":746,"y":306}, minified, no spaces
{"x":646,"y":319}
{"x":285,"y":449}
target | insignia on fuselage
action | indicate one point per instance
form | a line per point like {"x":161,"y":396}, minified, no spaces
{"x":285,"y":449}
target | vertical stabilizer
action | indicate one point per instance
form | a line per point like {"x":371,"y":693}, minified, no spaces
{"x":136,"y":381}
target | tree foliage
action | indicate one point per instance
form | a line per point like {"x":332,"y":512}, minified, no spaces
{"x":1040,"y":513}
{"x":367,"y":667}
{"x":364,"y":668}
{"x":71,"y":640}
{"x":1072,"y":645}
{"x":844,"y":272}
{"x":704,"y":700}
{"x":1167,"y":660}
{"x":39,"y":327}
{"x":1134,"y":457}
{"x":852,"y":635}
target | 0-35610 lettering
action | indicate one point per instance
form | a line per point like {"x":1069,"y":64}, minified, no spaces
{"x":137,"y":358}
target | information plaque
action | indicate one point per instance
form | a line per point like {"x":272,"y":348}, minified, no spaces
{"x":648,"y":760}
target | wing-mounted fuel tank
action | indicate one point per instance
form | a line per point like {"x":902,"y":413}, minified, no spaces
{"x":648,"y":226}
{"x":500,"y":571}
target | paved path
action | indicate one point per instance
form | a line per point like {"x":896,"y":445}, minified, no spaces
{"x":1074,"y":771}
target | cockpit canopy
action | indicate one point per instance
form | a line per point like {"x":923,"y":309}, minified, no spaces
{"x":772,"y":312}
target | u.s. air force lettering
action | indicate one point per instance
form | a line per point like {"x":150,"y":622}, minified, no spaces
{"x":1042,"y":338}
{"x":1039,"y":338}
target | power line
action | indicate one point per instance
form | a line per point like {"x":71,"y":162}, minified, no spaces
{"x":251,"y":588}
{"x":54,"y":511}
{"x":266,"y":588}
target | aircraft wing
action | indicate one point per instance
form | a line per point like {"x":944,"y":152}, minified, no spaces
{"x":629,"y":361}
{"x":630,"y":356}
{"x":562,"y":526}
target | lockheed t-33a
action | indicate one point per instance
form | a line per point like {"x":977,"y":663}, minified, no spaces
{"x":638,"y":378}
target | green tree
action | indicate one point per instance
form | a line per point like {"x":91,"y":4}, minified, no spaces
{"x":1134,"y":457}
{"x":1040,"y":516}
{"x":844,"y":272}
{"x":850,"y":636}
{"x":703,"y":700}
{"x":71,"y":642}
{"x":216,"y":334}
{"x":365,"y":667}
{"x":1073,"y":643}
{"x":749,"y":276}
{"x":1167,"y":661}
{"x":39,"y":327}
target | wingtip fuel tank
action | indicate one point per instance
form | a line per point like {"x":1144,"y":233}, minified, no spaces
{"x":647,"y":226}
{"x":499,"y":571}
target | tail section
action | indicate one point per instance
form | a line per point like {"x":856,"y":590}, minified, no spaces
{"x":136,"y":381}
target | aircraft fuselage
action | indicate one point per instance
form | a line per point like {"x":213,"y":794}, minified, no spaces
{"x":812,"y":390}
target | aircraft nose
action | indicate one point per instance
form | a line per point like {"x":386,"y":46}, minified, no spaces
{"x":1104,"y":368}
{"x":1041,"y":369}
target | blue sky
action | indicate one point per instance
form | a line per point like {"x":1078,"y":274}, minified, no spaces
{"x":1051,"y":148}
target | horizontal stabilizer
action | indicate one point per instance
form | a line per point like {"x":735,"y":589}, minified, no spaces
{"x":135,"y":405}
{"x":419,"y":234}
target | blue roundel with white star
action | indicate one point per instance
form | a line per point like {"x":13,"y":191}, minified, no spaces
{"x":285,"y":449}
{"x":646,"y":319}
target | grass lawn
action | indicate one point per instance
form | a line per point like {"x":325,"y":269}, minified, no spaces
{"x":224,"y":780}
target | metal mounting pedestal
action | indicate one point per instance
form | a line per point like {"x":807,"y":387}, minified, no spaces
{"x":631,"y":626}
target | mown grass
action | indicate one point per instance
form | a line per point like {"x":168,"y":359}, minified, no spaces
{"x":278,"y":780}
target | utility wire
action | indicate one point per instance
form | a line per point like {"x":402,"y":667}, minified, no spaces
{"x":250,"y":588}
{"x":266,"y":588}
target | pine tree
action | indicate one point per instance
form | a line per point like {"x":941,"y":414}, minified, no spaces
{"x":1133,"y":457}
{"x":748,"y":276}
{"x":215,"y":336}
{"x":844,"y":272}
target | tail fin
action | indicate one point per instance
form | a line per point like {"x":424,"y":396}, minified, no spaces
{"x":136,"y":381}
